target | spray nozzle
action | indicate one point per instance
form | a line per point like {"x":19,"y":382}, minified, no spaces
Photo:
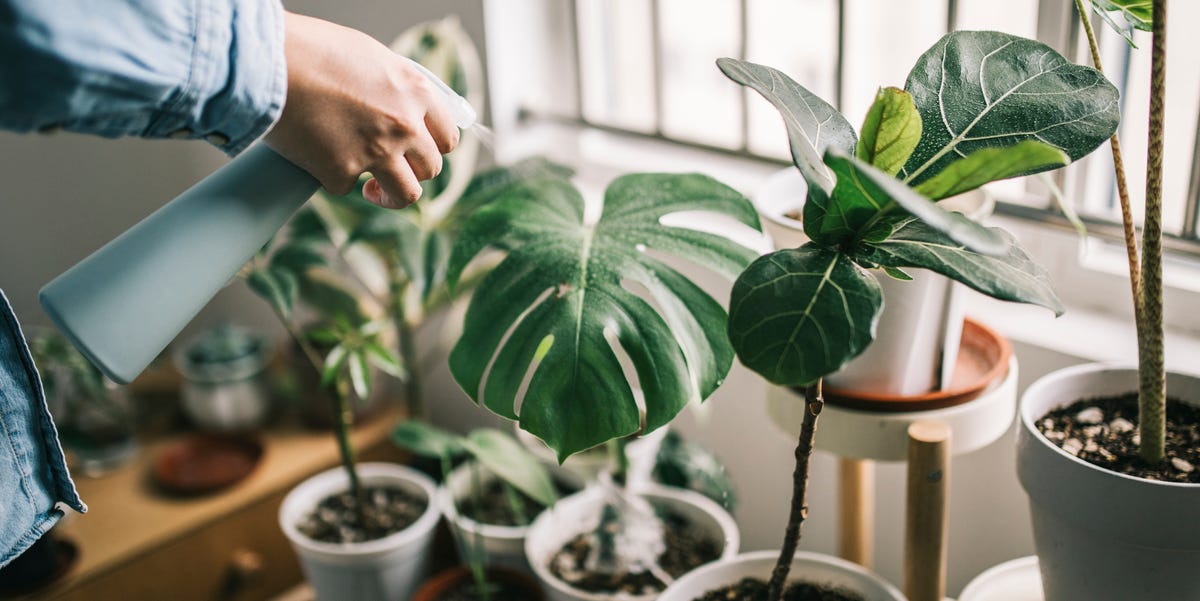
{"x":463,"y":113}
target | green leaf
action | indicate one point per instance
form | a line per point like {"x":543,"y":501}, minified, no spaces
{"x":985,"y":89}
{"x":691,"y":466}
{"x":435,"y":254}
{"x":991,"y":164}
{"x":427,"y":441}
{"x":297,"y":258}
{"x":799,"y":314}
{"x":360,"y":374}
{"x":307,"y":227}
{"x":334,"y":362}
{"x":897,"y":273}
{"x":326,"y":293}
{"x":890,"y":131}
{"x":882,"y":189}
{"x":323,"y":336}
{"x":385,"y":360}
{"x":1013,"y":276}
{"x":1137,"y":13}
{"x":394,"y":236}
{"x":812,"y":124}
{"x":495,"y":183}
{"x":276,"y":286}
{"x":506,"y":458}
{"x":578,"y":283}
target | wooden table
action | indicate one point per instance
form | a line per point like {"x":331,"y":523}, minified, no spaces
{"x":135,"y":543}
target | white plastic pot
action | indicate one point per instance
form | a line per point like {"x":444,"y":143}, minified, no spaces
{"x":921,"y":324}
{"x":1101,"y":535}
{"x":1015,"y":580}
{"x":504,"y":545}
{"x":570,"y":517}
{"x":384,"y":569}
{"x":813,"y":567}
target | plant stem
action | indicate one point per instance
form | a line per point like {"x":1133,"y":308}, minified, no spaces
{"x":799,"y":511}
{"x":1151,"y":372}
{"x":1131,"y":252}
{"x":345,"y":419}
{"x":620,"y":461}
{"x":478,"y":554}
{"x":406,"y":340}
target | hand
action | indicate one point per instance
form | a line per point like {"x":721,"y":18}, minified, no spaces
{"x":354,"y":106}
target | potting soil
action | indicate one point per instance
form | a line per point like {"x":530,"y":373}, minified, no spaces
{"x":753,"y":589}
{"x":388,"y":510}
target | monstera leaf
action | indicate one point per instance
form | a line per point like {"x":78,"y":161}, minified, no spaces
{"x":986,"y":89}
{"x":568,"y":287}
{"x":813,"y":125}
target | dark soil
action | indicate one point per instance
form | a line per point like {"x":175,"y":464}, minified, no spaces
{"x":500,"y":591}
{"x":753,"y":589}
{"x":686,"y":550}
{"x":498,"y":510}
{"x":388,"y":510}
{"x":1103,"y":432}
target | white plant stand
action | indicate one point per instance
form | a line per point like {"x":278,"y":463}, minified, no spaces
{"x":925,"y":439}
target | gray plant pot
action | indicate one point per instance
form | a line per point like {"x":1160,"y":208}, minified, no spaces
{"x":1101,"y":535}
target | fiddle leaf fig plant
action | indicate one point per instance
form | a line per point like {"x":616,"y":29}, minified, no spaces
{"x":979,"y":106}
{"x":567,"y":286}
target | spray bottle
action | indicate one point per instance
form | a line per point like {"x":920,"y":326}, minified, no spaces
{"x":124,"y":303}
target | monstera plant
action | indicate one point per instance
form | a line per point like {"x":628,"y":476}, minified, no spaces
{"x":977,"y":107}
{"x":570,"y":291}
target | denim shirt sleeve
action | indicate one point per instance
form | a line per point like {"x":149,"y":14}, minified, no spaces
{"x":33,"y":472}
{"x":210,"y":69}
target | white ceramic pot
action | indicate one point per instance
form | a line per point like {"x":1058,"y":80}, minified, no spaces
{"x":1015,"y":580}
{"x":384,"y":569}
{"x":504,"y":545}
{"x":813,"y":567}
{"x":1104,"y":536}
{"x":572,"y":515}
{"x":921,"y":324}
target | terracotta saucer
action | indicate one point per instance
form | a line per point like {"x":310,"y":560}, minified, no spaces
{"x":982,"y":362}
{"x":205,"y":463}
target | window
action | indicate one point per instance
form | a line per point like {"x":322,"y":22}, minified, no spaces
{"x":647,"y":67}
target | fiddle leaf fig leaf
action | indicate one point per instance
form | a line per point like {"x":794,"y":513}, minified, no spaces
{"x":812,"y":124}
{"x":505,"y":457}
{"x":427,"y":441}
{"x":890,"y":131}
{"x":885,"y":191}
{"x":566,"y":286}
{"x":991,"y":164}
{"x":799,"y":314}
{"x":986,"y":89}
{"x":1013,"y":276}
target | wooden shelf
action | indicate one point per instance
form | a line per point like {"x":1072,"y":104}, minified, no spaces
{"x":136,"y":543}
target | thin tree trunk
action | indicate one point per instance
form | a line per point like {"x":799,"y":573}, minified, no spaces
{"x":1151,"y":372}
{"x":1131,"y":252}
{"x":799,"y":511}
{"x":345,"y":420}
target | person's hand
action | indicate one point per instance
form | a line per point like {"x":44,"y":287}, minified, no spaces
{"x":354,"y":106}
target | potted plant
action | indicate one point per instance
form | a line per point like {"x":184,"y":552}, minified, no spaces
{"x":540,"y":339}
{"x":1103,"y":452}
{"x":96,"y":419}
{"x":489,"y":499}
{"x":225,"y":385}
{"x":977,"y":107}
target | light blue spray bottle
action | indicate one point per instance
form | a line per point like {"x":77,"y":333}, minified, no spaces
{"x":124,"y":303}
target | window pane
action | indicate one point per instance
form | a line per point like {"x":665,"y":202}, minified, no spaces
{"x":699,"y":103}
{"x":1018,"y":17}
{"x":810,"y":59}
{"x":617,"y":63}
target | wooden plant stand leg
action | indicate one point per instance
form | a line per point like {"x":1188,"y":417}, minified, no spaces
{"x":856,"y":512}
{"x":926,"y":511}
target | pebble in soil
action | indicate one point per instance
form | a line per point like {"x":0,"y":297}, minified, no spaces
{"x":388,"y":510}
{"x":497,"y":509}
{"x":686,"y":549}
{"x":753,"y":589}
{"x":1102,"y":431}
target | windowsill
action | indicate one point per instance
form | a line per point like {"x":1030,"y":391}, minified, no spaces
{"x":1090,"y":278}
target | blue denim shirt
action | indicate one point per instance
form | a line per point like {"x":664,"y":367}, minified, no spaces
{"x":33,"y":474}
{"x":207,"y":69}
